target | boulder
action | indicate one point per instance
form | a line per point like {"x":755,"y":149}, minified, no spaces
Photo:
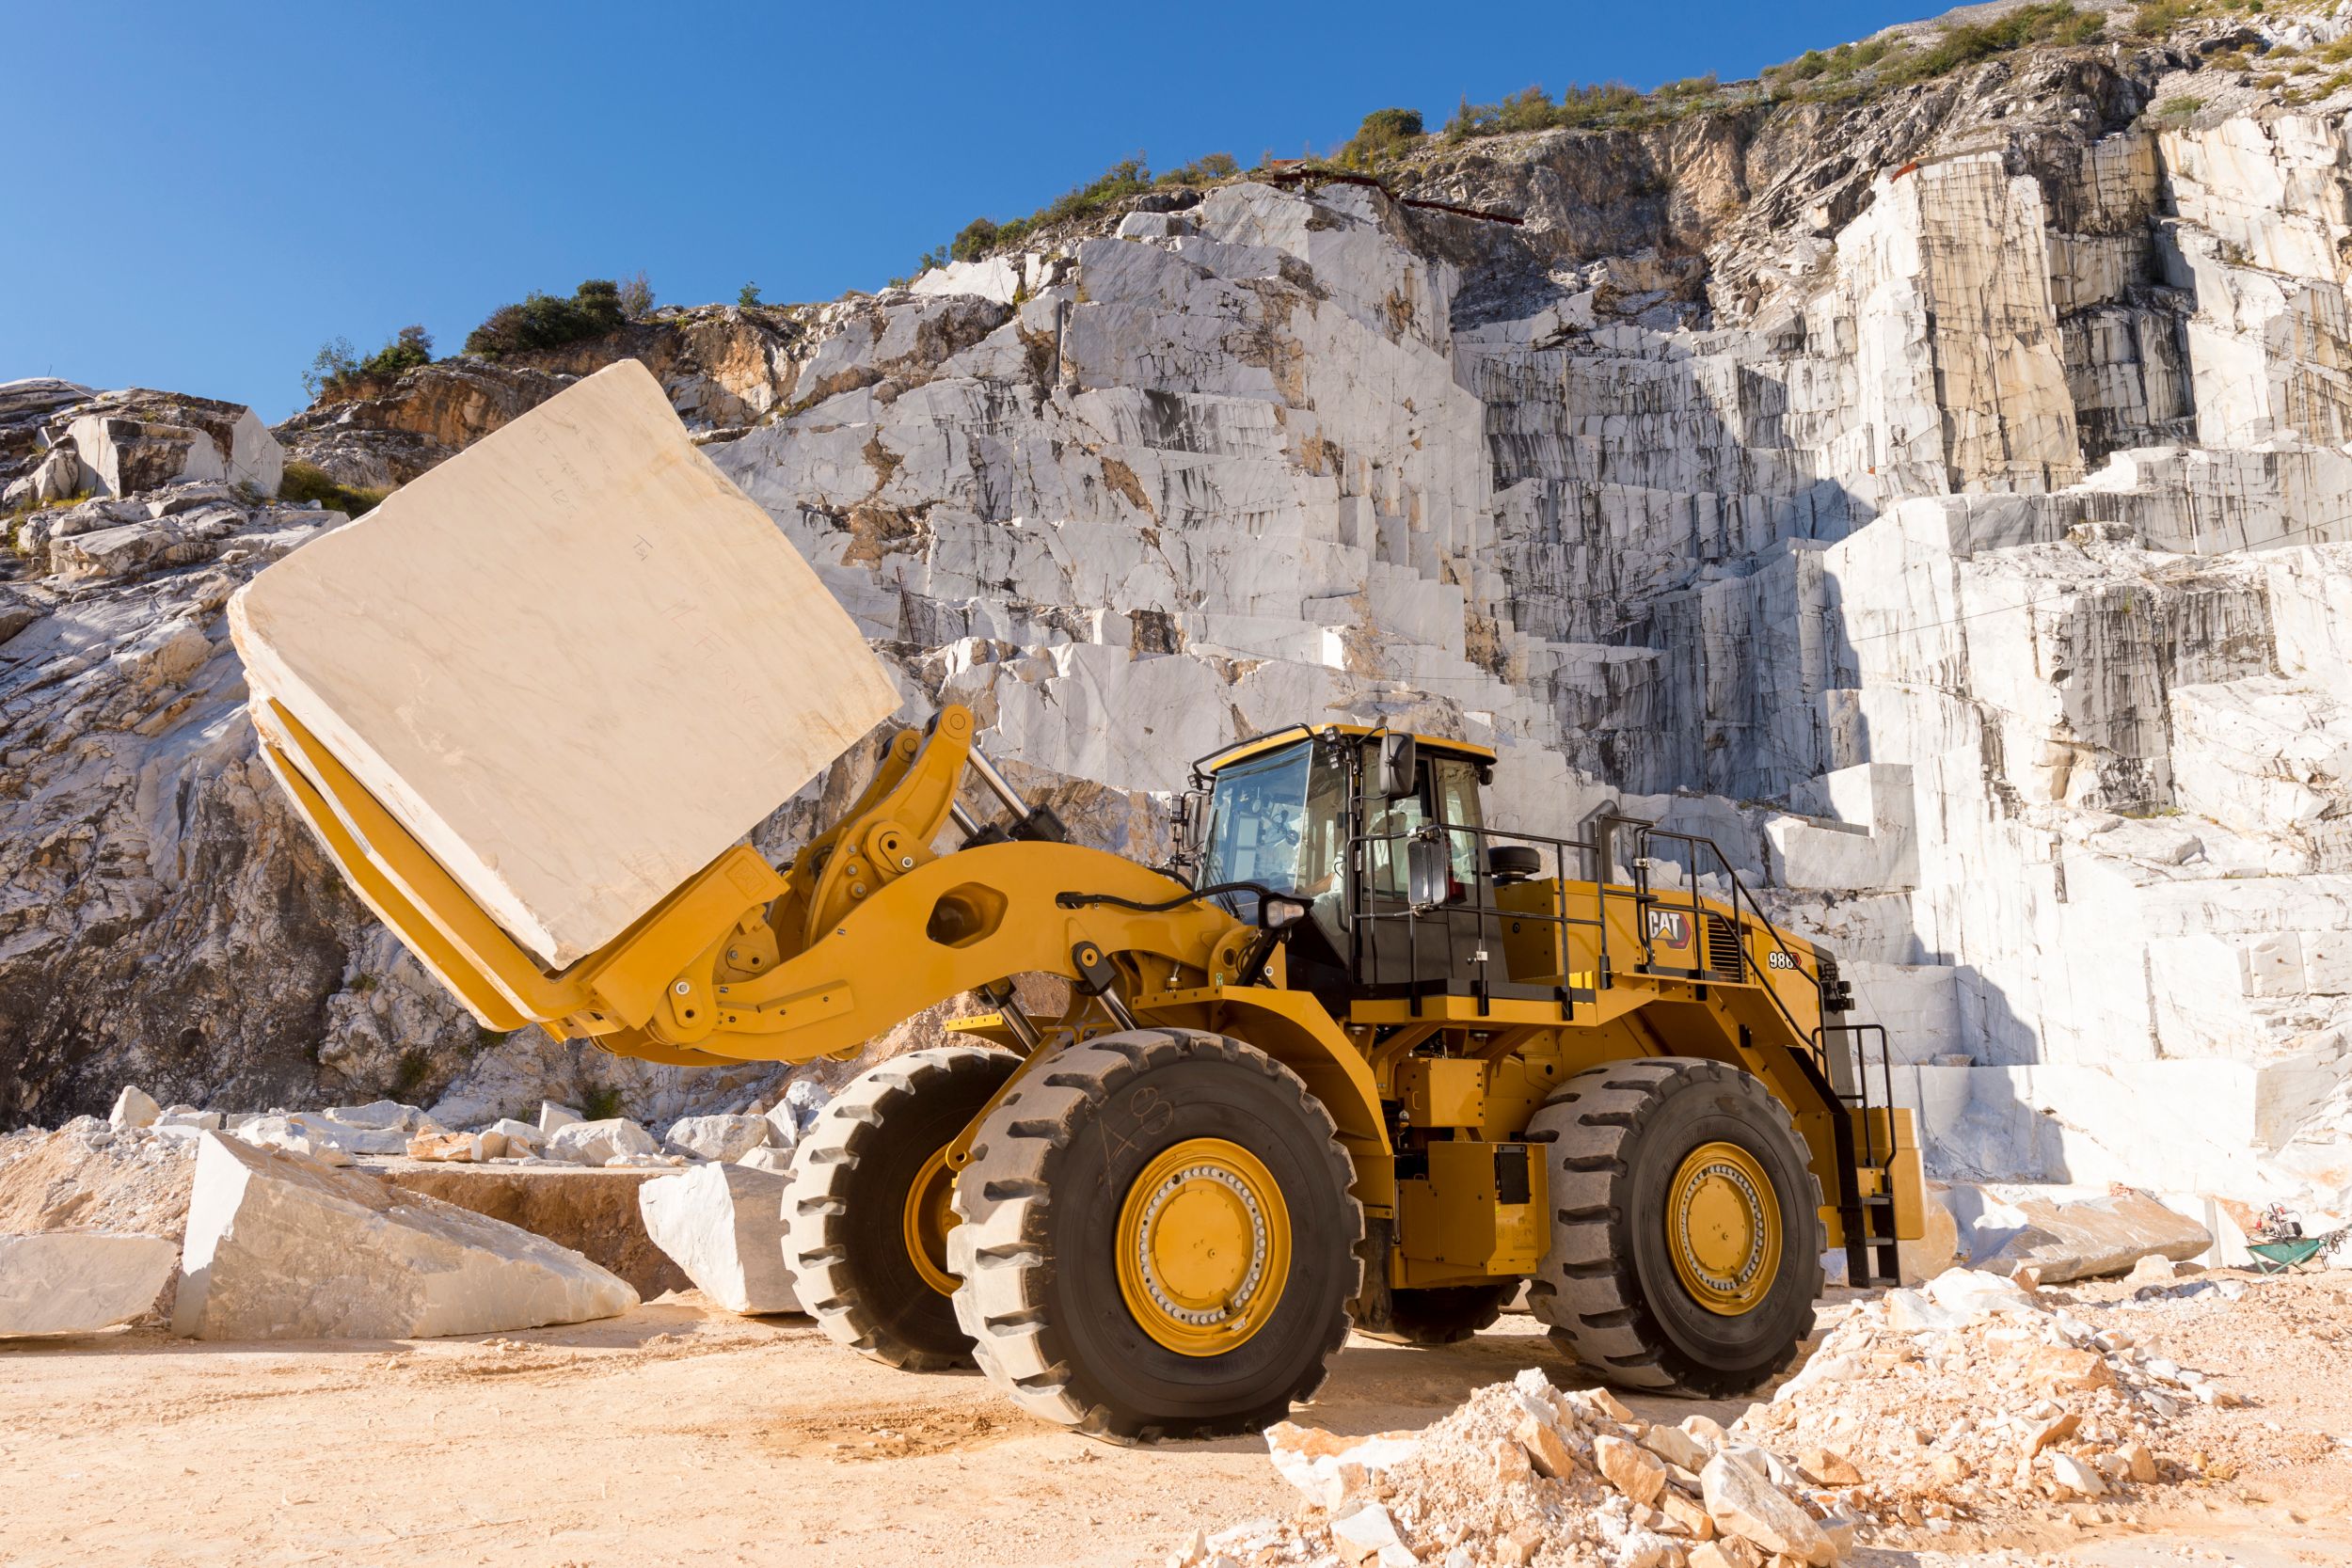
{"x":110,"y":552}
{"x":552,"y":1116}
{"x":137,"y":441}
{"x":79,"y":1281}
{"x":1743,"y":1503}
{"x":1331,"y":1468}
{"x":724,"y":1225}
{"x":522,"y":1137}
{"x":716,"y":1137}
{"x":457,"y":1148}
{"x":596,"y":1142}
{"x":379,"y":1116}
{"x":2087,"y":1237}
{"x":1368,"y":1538}
{"x":314,"y":1132}
{"x":133,"y":1107}
{"x":594,"y":1212}
{"x":292,"y":1133}
{"x":1629,"y":1469}
{"x":280,"y":1247}
{"x":56,"y":478}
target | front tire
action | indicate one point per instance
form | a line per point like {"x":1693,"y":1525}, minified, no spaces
{"x":1157,"y":1238}
{"x":1686,"y":1233}
{"x":866,"y":1211}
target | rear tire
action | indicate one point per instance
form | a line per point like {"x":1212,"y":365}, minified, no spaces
{"x":1632,"y":1302}
{"x":1158,"y":1238}
{"x":846,"y":1207}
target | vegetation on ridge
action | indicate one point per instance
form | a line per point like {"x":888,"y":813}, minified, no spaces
{"x":549,"y":320}
{"x":1128,"y":176}
{"x":336,"y":364}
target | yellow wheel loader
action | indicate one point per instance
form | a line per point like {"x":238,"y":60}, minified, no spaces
{"x":1355,"y":1058}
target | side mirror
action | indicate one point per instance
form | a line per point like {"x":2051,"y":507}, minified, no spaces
{"x":1400,"y":763}
{"x":1192,"y":820}
{"x":1429,"y":873}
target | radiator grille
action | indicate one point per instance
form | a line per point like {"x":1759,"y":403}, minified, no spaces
{"x":1723,"y":956}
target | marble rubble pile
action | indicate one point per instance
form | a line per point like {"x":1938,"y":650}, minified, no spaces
{"x":91,"y":1218}
{"x":1525,"y":1473}
{"x":1983,"y":1404}
{"x":1943,"y":1416}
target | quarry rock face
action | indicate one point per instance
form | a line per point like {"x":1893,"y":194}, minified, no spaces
{"x":281,"y":1248}
{"x":1939,"y":500}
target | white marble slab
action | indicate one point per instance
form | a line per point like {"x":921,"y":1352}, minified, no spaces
{"x":575,"y":660}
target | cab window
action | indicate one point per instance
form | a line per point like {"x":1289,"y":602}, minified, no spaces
{"x":1455,"y":782}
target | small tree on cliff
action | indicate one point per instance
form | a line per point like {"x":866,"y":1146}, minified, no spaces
{"x":549,"y":320}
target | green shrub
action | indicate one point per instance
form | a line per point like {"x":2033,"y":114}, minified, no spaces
{"x":2155,"y":18}
{"x":1580,"y":105}
{"x":973,"y":240}
{"x":1852,"y":70}
{"x":1208,"y":170}
{"x":600,"y":1104}
{"x":2179,"y":107}
{"x":336,"y":364}
{"x":306,"y":482}
{"x":549,"y":320}
{"x":748,"y":296}
{"x":1384,"y":134}
{"x":1128,"y":176}
{"x":412,"y":347}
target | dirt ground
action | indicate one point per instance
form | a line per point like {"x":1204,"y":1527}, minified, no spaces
{"x":682,"y":1434}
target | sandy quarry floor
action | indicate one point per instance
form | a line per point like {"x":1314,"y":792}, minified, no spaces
{"x":684,"y":1435}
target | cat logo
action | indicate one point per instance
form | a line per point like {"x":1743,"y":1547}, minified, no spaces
{"x":1669,"y":929}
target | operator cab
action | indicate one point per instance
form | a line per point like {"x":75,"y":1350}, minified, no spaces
{"x":1380,"y":836}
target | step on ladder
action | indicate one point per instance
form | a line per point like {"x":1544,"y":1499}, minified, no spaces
{"x":1855,"y":1058}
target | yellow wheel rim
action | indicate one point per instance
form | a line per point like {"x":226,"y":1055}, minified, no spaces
{"x":929,"y":1218}
{"x":1723,"y":1228}
{"x":1204,"y":1246}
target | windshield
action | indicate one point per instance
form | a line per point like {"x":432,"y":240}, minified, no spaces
{"x":1276,"y":820}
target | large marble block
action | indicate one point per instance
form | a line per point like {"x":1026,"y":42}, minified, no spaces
{"x":575,"y":661}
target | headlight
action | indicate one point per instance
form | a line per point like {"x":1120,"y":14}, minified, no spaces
{"x":1281,"y":914}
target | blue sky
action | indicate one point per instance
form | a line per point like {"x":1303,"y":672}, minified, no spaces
{"x":209,"y":193}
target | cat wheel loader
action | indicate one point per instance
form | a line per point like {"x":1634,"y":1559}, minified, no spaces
{"x":1354,"y":1059}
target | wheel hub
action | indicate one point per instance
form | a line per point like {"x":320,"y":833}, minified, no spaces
{"x":1204,"y":1246}
{"x":1723,"y":1228}
{"x":929,"y":1216}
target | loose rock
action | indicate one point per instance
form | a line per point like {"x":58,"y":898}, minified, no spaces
{"x":280,"y":1247}
{"x":79,"y":1281}
{"x":724,"y":1225}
